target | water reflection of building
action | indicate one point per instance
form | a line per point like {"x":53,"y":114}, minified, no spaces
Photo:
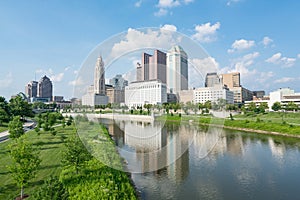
{"x":214,"y":143}
{"x":178,"y":154}
{"x":277,"y":149}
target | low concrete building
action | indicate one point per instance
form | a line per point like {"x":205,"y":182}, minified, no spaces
{"x":213,"y":94}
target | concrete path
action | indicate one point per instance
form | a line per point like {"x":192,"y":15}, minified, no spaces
{"x":29,"y":125}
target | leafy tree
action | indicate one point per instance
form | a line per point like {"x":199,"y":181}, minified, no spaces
{"x":52,"y":189}
{"x":252,"y":107}
{"x":276,"y":106}
{"x":25,"y":162}
{"x":75,"y":154}
{"x":148,"y":107}
{"x":291,"y":106}
{"x":20,"y":107}
{"x":207,"y":105}
{"x":222,"y":103}
{"x":15,"y":128}
{"x":4,"y":110}
{"x":262,"y":107}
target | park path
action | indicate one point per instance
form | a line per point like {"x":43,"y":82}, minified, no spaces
{"x":30,"y":124}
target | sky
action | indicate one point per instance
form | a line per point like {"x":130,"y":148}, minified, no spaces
{"x":260,"y":39}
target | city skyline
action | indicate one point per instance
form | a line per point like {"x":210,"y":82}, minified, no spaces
{"x":261,"y":47}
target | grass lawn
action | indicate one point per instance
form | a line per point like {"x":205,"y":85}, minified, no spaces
{"x":3,"y":127}
{"x":50,"y":148}
{"x":271,"y":122}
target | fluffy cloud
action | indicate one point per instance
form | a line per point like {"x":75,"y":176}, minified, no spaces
{"x":57,"y":77}
{"x":168,"y":3}
{"x":138,"y":3}
{"x":298,"y":56}
{"x":206,"y":32}
{"x":285,"y":80}
{"x":232,"y":1}
{"x":279,"y":60}
{"x":165,"y":5}
{"x":6,"y":81}
{"x":266,"y":41}
{"x":169,"y":27}
{"x":77,"y":82}
{"x":241,"y":65}
{"x":241,"y":44}
{"x":136,"y":39}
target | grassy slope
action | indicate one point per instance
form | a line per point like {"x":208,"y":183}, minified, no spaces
{"x":50,"y":148}
{"x":271,"y":122}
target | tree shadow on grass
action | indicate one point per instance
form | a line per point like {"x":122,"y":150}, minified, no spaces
{"x":41,"y":143}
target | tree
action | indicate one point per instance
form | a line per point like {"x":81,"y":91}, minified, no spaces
{"x":262,"y":107}
{"x":20,"y":107}
{"x":276,"y":106}
{"x":4,"y":110}
{"x":75,"y":154}
{"x":291,"y":106}
{"x":207,"y":105}
{"x":52,"y":189}
{"x":15,"y":128}
{"x":222,"y":103}
{"x":25,"y":162}
{"x":252,"y":107}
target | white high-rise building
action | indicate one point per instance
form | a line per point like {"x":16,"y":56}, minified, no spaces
{"x":99,"y":78}
{"x":177,"y":70}
{"x":213,"y":94}
{"x":145,"y":92}
{"x":96,"y":93}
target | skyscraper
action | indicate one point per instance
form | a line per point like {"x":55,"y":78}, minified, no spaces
{"x":45,"y":89}
{"x":99,"y":77}
{"x":157,"y":68}
{"x":31,"y":89}
{"x":232,"y":79}
{"x":96,"y":93}
{"x":153,"y":67}
{"x":177,"y":70}
{"x":118,"y":82}
{"x":212,"y":80}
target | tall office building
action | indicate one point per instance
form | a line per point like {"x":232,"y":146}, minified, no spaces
{"x":212,"y":80}
{"x":99,"y":77}
{"x":118,"y":82}
{"x":31,"y":89}
{"x":45,"y":89}
{"x":153,"y":67}
{"x":157,"y":69}
{"x":177,"y":70}
{"x":96,"y":93}
{"x":232,"y":79}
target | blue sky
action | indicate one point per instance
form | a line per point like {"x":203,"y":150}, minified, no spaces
{"x":258,"y":38}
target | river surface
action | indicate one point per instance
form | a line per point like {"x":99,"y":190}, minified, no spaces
{"x":182,"y":161}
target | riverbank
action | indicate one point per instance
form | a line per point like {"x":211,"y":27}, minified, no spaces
{"x":95,"y":179}
{"x":257,"y":125}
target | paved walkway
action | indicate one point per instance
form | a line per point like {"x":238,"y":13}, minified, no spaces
{"x":27,"y":126}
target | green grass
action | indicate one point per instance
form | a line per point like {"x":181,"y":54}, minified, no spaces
{"x":263,"y":122}
{"x":94,"y":180}
{"x":3,"y":127}
{"x":50,"y":148}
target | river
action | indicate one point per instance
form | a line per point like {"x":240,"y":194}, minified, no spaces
{"x":182,"y":161}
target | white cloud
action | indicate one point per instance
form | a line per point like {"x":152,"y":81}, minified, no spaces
{"x":283,"y":61}
{"x":67,"y":68}
{"x":6,"y":81}
{"x":266,"y":41}
{"x":168,"y":3}
{"x":165,"y":5}
{"x":241,"y":44}
{"x":206,"y":32}
{"x":232,"y":1}
{"x":77,"y":82}
{"x":138,"y":3}
{"x":136,"y":39}
{"x":298,"y":56}
{"x":169,"y":27}
{"x":57,"y":77}
{"x":284,"y":80}
{"x":75,"y":72}
{"x":39,"y":71}
{"x":205,"y":65}
{"x":161,"y":12}
{"x":241,"y":65}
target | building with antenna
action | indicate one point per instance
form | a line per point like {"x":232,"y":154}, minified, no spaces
{"x":96,"y":93}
